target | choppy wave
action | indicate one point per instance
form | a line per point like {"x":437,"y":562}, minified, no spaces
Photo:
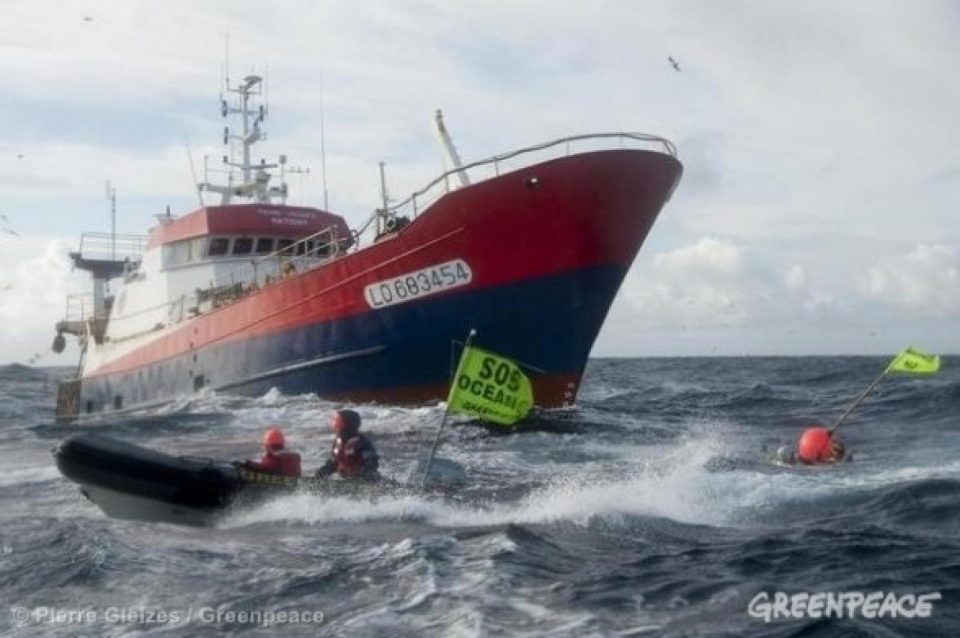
{"x":651,"y":508}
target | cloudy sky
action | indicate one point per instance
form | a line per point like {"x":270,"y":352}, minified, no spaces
{"x":821,"y":141}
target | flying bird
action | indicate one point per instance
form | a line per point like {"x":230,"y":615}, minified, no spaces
{"x":88,"y":18}
{"x":673,"y":63}
{"x":5,"y":226}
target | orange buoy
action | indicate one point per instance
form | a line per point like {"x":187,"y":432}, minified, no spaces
{"x":814,"y":445}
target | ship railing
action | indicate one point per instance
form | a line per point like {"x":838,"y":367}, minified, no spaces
{"x":110,"y":247}
{"x":303,"y":254}
{"x":79,"y":311}
{"x":140,"y":322}
{"x":306,"y":252}
{"x":145,"y":320}
{"x":491,"y":167}
{"x":79,"y":307}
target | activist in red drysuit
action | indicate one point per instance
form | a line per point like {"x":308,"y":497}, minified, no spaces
{"x":275,"y":460}
{"x":352,"y":456}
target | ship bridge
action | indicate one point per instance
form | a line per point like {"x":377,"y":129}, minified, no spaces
{"x":105,"y":256}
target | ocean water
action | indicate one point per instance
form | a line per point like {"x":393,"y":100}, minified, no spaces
{"x":649,"y":509}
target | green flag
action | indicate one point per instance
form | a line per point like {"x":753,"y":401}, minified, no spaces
{"x":490,"y":387}
{"x":911,"y":360}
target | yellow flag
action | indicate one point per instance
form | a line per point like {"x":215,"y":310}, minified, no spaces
{"x":914,"y":361}
{"x":490,"y":387}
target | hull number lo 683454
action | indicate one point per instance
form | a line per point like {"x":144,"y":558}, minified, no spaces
{"x":419,"y":283}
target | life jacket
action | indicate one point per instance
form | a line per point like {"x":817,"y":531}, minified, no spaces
{"x":354,"y":456}
{"x":289,"y":463}
{"x":282,"y":462}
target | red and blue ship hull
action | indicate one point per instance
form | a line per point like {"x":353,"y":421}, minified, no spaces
{"x":535,"y":258}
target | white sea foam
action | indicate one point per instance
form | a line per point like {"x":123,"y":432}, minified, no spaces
{"x":676,"y":486}
{"x":19,"y":476}
{"x":613,"y":481}
{"x":671,"y":481}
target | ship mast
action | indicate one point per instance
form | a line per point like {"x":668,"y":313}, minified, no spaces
{"x":255,"y":177}
{"x":447,"y":143}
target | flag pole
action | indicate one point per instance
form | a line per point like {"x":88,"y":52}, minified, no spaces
{"x":909,"y":360}
{"x":446,"y":412}
{"x":858,"y":400}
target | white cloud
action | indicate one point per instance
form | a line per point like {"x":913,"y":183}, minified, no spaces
{"x":795,"y":277}
{"x":54,"y":169}
{"x":925,"y":280}
{"x":693,"y":286}
{"x":35,"y":279}
{"x":709,"y":257}
{"x":819,"y":302}
{"x":816,"y":135}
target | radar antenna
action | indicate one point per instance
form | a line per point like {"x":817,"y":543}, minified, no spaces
{"x":255,"y":178}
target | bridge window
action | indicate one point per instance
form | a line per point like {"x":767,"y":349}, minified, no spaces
{"x":305,"y":247}
{"x":242,"y":245}
{"x":284,"y":246}
{"x":218,"y":246}
{"x":194,"y":249}
{"x":264,"y":246}
{"x":175,"y":253}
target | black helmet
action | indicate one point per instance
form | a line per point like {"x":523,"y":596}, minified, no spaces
{"x":345,"y":422}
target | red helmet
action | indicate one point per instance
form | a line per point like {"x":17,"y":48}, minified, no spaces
{"x":273,"y":439}
{"x":345,"y":422}
{"x":814,"y":445}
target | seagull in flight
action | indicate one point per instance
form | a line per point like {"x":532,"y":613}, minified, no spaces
{"x":673,"y":63}
{"x":5,"y":226}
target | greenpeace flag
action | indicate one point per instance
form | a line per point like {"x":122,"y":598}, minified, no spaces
{"x":490,"y":387}
{"x":914,"y":361}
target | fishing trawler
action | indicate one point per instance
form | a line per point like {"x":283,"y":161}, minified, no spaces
{"x":528,"y":248}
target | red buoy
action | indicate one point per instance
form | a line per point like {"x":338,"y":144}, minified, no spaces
{"x":814,"y":445}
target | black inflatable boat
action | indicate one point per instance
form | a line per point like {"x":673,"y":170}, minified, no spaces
{"x":131,"y":482}
{"x":135,"y":483}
